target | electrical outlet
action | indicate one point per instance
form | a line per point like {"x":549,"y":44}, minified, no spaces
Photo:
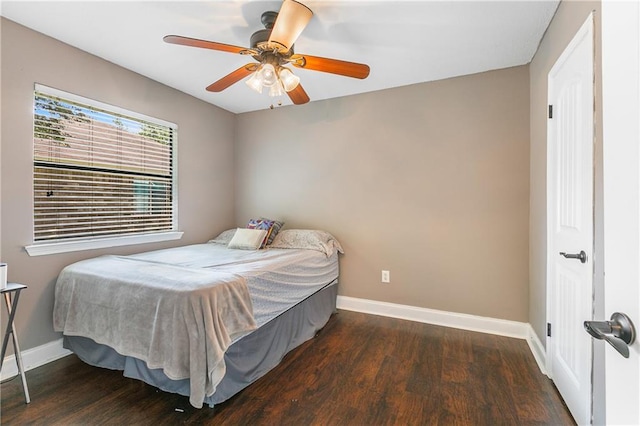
{"x":385,"y":277}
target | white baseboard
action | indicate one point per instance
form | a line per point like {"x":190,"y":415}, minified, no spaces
{"x":500,"y":327}
{"x":538,"y":350}
{"x":52,"y":351}
{"x":496,"y":326}
{"x":32,"y":358}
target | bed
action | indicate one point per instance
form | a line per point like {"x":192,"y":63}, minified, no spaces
{"x":203,"y":320}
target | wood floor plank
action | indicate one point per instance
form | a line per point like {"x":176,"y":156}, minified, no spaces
{"x":359,"y":370}
{"x":426,"y":373}
{"x":493,"y":385}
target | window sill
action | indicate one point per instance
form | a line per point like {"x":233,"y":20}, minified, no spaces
{"x":80,"y":245}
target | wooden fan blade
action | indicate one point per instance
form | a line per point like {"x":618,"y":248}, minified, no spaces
{"x":194,"y":42}
{"x":232,"y":78}
{"x":298,"y":96}
{"x":292,"y":18}
{"x":333,"y":66}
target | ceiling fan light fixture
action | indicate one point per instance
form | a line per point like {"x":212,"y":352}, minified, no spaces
{"x":269,"y":76}
{"x":255,"y":81}
{"x":289,"y":80}
{"x":271,"y":48}
{"x":276,"y":90}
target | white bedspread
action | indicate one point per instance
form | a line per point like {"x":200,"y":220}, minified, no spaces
{"x":179,"y":309}
{"x":173,"y":317}
{"x":277,"y":278}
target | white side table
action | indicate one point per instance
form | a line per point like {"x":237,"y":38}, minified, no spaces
{"x":11,"y":330}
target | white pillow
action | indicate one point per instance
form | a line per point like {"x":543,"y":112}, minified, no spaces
{"x":247,"y":239}
{"x":309,"y":239}
{"x":224,"y":237}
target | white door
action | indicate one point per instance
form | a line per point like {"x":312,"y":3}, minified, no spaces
{"x":621,"y":174}
{"x":570,"y":222}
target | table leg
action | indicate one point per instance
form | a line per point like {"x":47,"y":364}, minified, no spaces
{"x":11,"y":328}
{"x":5,"y":341}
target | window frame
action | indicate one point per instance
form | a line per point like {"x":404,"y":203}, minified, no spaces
{"x":96,"y":242}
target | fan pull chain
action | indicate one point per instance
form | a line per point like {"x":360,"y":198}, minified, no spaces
{"x":279,"y":104}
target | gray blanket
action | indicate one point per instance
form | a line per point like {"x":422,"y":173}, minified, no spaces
{"x":175,"y":318}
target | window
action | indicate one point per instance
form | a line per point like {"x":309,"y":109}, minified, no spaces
{"x":100,"y":171}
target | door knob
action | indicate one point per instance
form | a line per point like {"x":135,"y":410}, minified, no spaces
{"x":582,"y":256}
{"x":619,"y":332}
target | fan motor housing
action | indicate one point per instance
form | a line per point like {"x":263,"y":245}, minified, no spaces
{"x":259,"y":41}
{"x":268,"y":19}
{"x":259,"y":38}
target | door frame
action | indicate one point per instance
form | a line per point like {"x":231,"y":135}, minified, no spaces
{"x":587,"y":27}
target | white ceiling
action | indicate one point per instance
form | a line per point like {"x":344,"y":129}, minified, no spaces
{"x":404,"y":42}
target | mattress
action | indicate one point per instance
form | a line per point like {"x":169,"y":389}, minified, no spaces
{"x":277,"y":278}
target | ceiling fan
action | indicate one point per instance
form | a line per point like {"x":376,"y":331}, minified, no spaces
{"x":272,"y":47}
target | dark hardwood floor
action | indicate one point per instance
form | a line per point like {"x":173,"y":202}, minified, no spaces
{"x":360,"y":370}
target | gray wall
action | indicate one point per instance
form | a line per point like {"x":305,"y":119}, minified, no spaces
{"x":429,"y":181}
{"x":205,"y":159}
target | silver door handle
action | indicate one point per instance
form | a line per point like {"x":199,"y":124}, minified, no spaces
{"x":619,"y":332}
{"x":582,"y":256}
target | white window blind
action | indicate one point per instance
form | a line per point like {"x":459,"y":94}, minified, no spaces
{"x":99,"y":171}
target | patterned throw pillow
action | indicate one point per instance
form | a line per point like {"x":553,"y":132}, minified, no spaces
{"x":277,"y":226}
{"x":264,"y":224}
